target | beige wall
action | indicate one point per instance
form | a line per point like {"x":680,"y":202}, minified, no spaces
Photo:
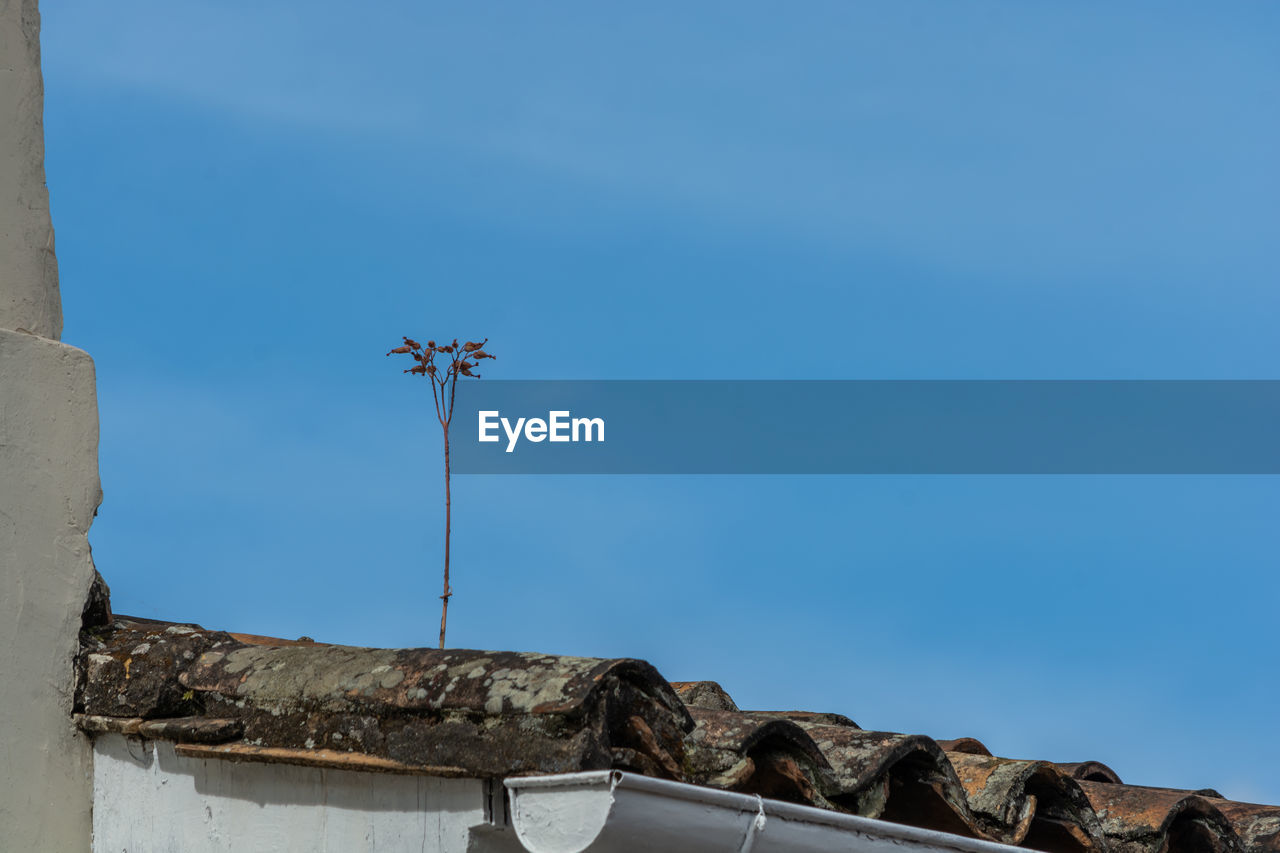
{"x":48,"y":481}
{"x":28,"y":269}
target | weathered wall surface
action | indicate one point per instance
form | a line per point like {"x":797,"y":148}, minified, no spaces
{"x":28,"y":269}
{"x":48,"y":493}
{"x":48,"y":482}
{"x":150,"y":799}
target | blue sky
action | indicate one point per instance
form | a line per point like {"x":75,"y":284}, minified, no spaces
{"x":254,"y":201}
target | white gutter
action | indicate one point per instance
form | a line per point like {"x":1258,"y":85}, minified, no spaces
{"x":609,"y":811}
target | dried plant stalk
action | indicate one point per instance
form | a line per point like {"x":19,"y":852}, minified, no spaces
{"x":459,"y":360}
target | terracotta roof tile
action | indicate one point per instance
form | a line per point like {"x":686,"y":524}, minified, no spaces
{"x":1090,"y":771}
{"x":499,"y":713}
{"x":492,"y":714}
{"x":1033,"y":801}
{"x":903,"y":778}
{"x":1257,"y":826}
{"x":757,"y":755}
{"x":1155,"y":820}
{"x":824,"y":718}
{"x":967,"y":745}
{"x":704,"y":694}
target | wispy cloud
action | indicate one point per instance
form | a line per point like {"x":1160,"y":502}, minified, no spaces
{"x":987,"y":152}
{"x":270,"y":62}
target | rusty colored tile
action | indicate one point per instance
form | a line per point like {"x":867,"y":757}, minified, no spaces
{"x":704,"y":694}
{"x":1257,"y":826}
{"x":739,"y":733}
{"x":966,"y":745}
{"x":903,"y":778}
{"x":769,"y":757}
{"x":260,"y":640}
{"x":824,"y":718}
{"x":1160,"y":820}
{"x":1030,"y":802}
{"x":498,"y":713}
{"x":1090,"y":771}
{"x":493,"y":714}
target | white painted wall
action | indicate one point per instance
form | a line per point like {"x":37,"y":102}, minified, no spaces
{"x":147,"y":799}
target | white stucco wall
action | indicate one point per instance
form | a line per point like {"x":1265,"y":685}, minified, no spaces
{"x":48,"y":481}
{"x":48,"y":494}
{"x":147,"y":799}
{"x":28,"y":269}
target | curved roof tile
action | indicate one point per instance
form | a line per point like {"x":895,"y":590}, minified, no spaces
{"x":1156,"y":820}
{"x":1033,"y":802}
{"x":1090,"y":771}
{"x":967,"y":745}
{"x":1257,"y":826}
{"x":488,"y":714}
{"x":704,"y":694}
{"x":495,"y":712}
{"x":772,"y":757}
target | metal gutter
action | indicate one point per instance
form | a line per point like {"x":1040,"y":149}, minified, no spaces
{"x":609,"y":811}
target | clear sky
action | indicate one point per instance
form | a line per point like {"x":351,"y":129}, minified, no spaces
{"x":253,"y":201}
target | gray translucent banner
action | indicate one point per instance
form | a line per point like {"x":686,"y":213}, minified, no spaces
{"x":867,"y":427}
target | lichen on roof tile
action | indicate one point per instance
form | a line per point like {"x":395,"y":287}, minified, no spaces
{"x":1160,"y":820}
{"x":495,"y":714}
{"x":704,"y":694}
{"x":1257,"y":826}
{"x":499,"y":712}
{"x":1034,"y":802}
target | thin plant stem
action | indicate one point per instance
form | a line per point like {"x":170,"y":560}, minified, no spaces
{"x":440,"y":384}
{"x":448,"y":519}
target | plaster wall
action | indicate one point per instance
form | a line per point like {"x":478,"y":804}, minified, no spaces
{"x":28,"y":268}
{"x":48,"y":482}
{"x":48,"y":494}
{"x":148,"y":799}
